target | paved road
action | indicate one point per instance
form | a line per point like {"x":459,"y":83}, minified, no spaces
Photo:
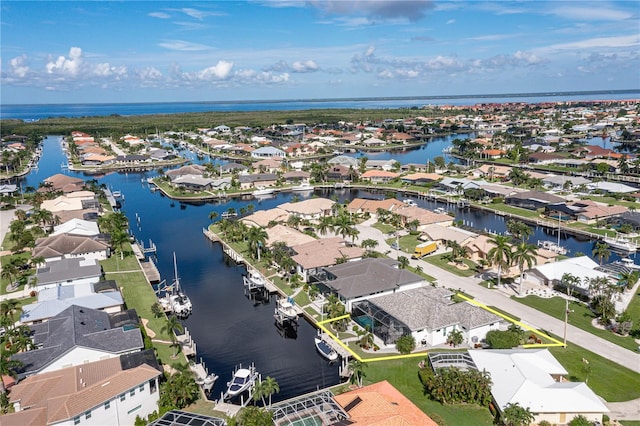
{"x":501,"y":300}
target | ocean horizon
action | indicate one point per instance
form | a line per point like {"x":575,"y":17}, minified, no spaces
{"x":32,"y":111}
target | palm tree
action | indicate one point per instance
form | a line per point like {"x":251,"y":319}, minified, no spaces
{"x":500,"y":254}
{"x":257,"y":238}
{"x":325,"y":224}
{"x":519,"y":230}
{"x":213,"y":216}
{"x":172,"y":324}
{"x":343,"y":226}
{"x":356,"y":368}
{"x":601,"y":251}
{"x":403,"y":261}
{"x":628,"y":279}
{"x":524,"y":254}
{"x":270,"y":387}
{"x":9,"y":271}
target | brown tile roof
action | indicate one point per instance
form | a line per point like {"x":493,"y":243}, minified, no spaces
{"x":324,"y":252}
{"x":372,"y":206}
{"x":378,"y":173}
{"x":66,"y":393}
{"x":380,"y":404}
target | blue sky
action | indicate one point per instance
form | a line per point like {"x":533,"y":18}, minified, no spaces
{"x":154,"y":51}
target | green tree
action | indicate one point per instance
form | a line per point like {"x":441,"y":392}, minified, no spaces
{"x":519,"y":230}
{"x":580,"y":420}
{"x":357,"y":374}
{"x":601,"y":251}
{"x":515,"y":415}
{"x":405,"y":344}
{"x":178,"y":391}
{"x":325,"y":225}
{"x":500,"y":254}
{"x":257,"y":239}
{"x":524,"y":254}
{"x":270,"y":387}
{"x":172,"y":323}
{"x":254,"y":416}
{"x":213,"y":216}
{"x":455,"y":337}
{"x":403,"y":261}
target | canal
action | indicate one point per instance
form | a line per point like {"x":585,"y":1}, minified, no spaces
{"x":228,"y":328}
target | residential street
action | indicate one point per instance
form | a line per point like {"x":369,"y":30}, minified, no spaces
{"x":502,"y":301}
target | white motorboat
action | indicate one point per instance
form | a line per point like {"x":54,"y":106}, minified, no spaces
{"x":261,"y":191}
{"x":551,"y":246}
{"x":621,"y":244}
{"x":440,"y":210}
{"x":303,"y":187}
{"x":228,"y":215}
{"x":286,"y":310}
{"x":243,"y":379}
{"x":409,"y":202}
{"x":325,"y":350}
{"x":253,"y":280}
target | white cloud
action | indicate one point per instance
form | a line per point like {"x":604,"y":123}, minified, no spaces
{"x":219,"y":71}
{"x":183,"y":46}
{"x":159,"y":15}
{"x":305,"y":66}
{"x":598,"y":11}
{"x":599,"y":42}
{"x":18,"y":66}
{"x":66,"y":66}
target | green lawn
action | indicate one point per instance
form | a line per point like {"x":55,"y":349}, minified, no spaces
{"x":438,"y":261}
{"x":403,"y":375}
{"x":581,"y":317}
{"x":609,"y":380}
{"x":384,"y":228}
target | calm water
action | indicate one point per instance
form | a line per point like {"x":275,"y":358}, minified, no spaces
{"x":229,"y":328}
{"x":36,"y":112}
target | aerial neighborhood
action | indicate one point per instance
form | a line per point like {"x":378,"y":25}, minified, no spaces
{"x":426,"y":316}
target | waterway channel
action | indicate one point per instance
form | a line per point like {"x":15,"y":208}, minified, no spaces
{"x":228,"y":327}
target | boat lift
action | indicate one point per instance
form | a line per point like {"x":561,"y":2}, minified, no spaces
{"x":255,"y":378}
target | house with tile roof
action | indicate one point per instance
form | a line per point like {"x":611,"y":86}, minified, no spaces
{"x":104,"y":392}
{"x":427,"y":313}
{"x":534,"y":379}
{"x":311,"y":208}
{"x":365,"y":205}
{"x":311,"y":257}
{"x":289,"y":236}
{"x":378,"y":176}
{"x":381,"y":404}
{"x":67,"y":246}
{"x":79,"y":335}
{"x":60,"y":182}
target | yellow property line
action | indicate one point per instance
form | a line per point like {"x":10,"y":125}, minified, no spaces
{"x":555,"y":343}
{"x":321,"y":324}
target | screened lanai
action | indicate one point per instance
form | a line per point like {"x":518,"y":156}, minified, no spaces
{"x":382,"y":324}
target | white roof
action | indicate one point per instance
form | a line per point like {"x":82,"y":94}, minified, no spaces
{"x":581,"y":267}
{"x":612,"y":187}
{"x":77,"y":227}
{"x":524,"y":376}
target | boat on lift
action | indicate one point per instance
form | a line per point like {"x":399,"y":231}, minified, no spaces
{"x":262,"y":191}
{"x":551,"y":246}
{"x":621,"y":244}
{"x":286,"y":310}
{"x":324,"y":349}
{"x":243,"y":379}
{"x":179,"y":302}
{"x":303,"y":187}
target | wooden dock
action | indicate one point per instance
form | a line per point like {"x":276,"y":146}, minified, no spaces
{"x":150,"y":271}
{"x":186,"y":343}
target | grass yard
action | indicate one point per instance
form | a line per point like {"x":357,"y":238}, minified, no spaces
{"x":403,"y":374}
{"x":609,"y":380}
{"x":438,"y":261}
{"x":384,"y":228}
{"x":581,"y":317}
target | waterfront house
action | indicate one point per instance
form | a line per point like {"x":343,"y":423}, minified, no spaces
{"x":63,"y":183}
{"x":385,"y":165}
{"x":492,"y":154}
{"x":79,"y":335}
{"x":373,"y":142}
{"x":102,"y":296}
{"x":311,"y":257}
{"x":68,"y":271}
{"x":550,"y":274}
{"x":66,"y":246}
{"x":263,"y":218}
{"x":365,"y":279}
{"x":400,"y":137}
{"x":112,"y":391}
{"x":586,"y":211}
{"x":442,"y":234}
{"x":258,"y":179}
{"x":233,"y":167}
{"x":427,"y":313}
{"x":289,"y":236}
{"x":457,"y":186}
{"x":378,"y":176}
{"x":8,"y":189}
{"x":190,"y":169}
{"x":344,"y":160}
{"x":534,"y":379}
{"x":478,"y":248}
{"x":381,"y":404}
{"x":365,"y":205}
{"x":77,"y":200}
{"x":564,"y":181}
{"x":421,"y":178}
{"x":532,"y":200}
{"x":611,"y":187}
{"x":309,"y":209}
{"x":268,"y":165}
{"x":296,"y":177}
{"x":132,"y":159}
{"x":544,"y":157}
{"x":268,"y":152}
{"x":491,"y":171}
{"x":424,"y":217}
{"x":340,"y":173}
{"x":630,"y":218}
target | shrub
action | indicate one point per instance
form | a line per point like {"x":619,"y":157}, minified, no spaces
{"x":406,"y":344}
{"x":497,"y":339}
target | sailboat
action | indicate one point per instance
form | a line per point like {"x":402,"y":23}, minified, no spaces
{"x":179,"y":302}
{"x":552,"y":246}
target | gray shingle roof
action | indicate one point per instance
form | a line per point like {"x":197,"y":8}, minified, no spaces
{"x":431,"y":308}
{"x":75,"y":327}
{"x":368,"y":276}
{"x":65,"y":270}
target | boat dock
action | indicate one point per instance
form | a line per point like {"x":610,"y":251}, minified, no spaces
{"x":187,"y":344}
{"x":150,"y":270}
